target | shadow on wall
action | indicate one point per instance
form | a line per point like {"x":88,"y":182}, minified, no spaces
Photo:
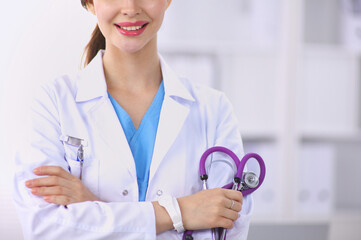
{"x":289,"y":231}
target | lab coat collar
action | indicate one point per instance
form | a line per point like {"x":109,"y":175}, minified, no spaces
{"x":173,"y":87}
{"x":91,"y":83}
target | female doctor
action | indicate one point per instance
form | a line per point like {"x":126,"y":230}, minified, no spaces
{"x":141,"y":131}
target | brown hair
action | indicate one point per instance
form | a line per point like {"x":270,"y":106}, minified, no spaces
{"x":96,"y":42}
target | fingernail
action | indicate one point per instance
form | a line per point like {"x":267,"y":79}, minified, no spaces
{"x":34,"y":190}
{"x":46,"y":198}
{"x":28,"y":183}
{"x":36,"y":170}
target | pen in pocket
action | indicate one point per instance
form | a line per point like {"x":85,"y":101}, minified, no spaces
{"x":79,"y":143}
{"x":80,"y":159}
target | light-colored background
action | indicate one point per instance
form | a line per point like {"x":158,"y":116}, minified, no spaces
{"x":292,"y":70}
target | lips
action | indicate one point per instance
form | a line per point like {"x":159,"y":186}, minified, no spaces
{"x":131,"y":28}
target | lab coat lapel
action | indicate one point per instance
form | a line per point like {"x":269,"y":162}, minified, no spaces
{"x":174,"y":112}
{"x":109,"y":129}
{"x":171,"y":120}
{"x":92,"y":89}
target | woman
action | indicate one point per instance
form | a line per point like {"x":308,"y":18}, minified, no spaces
{"x":119,"y":143}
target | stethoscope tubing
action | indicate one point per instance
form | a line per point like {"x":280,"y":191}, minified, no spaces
{"x":202,"y":162}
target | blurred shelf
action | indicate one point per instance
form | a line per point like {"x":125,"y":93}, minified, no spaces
{"x":304,"y":136}
{"x":216,"y":47}
{"x":349,"y":215}
{"x":346,"y":226}
{"x":353,"y":136}
{"x":271,"y":220}
{"x":331,"y":49}
{"x":258,"y":136}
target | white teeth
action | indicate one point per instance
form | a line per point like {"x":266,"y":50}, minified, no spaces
{"x":132,"y":28}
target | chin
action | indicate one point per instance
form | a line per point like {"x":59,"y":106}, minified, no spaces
{"x":131,"y":49}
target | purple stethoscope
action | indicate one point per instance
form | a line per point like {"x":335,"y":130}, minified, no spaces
{"x":246,"y":182}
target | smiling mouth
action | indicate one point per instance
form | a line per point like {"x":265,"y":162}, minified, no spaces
{"x":132,"y":28}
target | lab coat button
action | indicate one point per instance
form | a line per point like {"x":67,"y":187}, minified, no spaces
{"x":159,"y":192}
{"x":125,"y":192}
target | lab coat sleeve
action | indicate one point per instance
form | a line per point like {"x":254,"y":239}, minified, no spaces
{"x":86,"y":220}
{"x":222,"y":169}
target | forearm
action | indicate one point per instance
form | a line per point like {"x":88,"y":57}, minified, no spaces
{"x":89,"y":220}
{"x":83,"y":220}
{"x":162,"y":218}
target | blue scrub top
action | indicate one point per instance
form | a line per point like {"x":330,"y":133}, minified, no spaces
{"x":141,"y":141}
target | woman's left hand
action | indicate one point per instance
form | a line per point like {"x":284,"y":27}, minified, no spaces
{"x":59,"y":186}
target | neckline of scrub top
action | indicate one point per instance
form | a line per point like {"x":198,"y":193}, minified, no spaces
{"x":130,"y":131}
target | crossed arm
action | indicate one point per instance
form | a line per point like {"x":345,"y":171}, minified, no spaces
{"x":202,"y":210}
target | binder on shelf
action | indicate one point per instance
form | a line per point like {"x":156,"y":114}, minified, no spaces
{"x":252,"y":92}
{"x":328,"y":92}
{"x":316,"y":174}
{"x":351,"y":24}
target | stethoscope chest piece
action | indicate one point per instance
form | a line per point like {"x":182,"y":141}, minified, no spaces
{"x":249,"y":180}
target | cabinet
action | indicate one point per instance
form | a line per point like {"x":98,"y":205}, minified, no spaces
{"x":292,"y":70}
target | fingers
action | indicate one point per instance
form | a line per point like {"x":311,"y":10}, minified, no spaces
{"x":210,"y":209}
{"x":53,"y":189}
{"x":222,"y":217}
{"x":60,"y":200}
{"x":46,"y":181}
{"x":59,"y":186}
{"x":233,"y":205}
{"x":230,"y":214}
{"x":230,"y":209}
{"x":53,"y":171}
{"x":233,"y":195}
{"x":47,"y":191}
{"x":226,"y":223}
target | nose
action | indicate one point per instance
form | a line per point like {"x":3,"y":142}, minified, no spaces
{"x":131,"y":8}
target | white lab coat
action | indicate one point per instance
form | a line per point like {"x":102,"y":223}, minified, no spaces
{"x":193,"y":118}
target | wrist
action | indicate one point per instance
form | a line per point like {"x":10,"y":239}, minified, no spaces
{"x":182,"y":201}
{"x":172,"y":207}
{"x":163,"y":220}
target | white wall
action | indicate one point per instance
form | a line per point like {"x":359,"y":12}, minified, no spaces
{"x":39,"y":40}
